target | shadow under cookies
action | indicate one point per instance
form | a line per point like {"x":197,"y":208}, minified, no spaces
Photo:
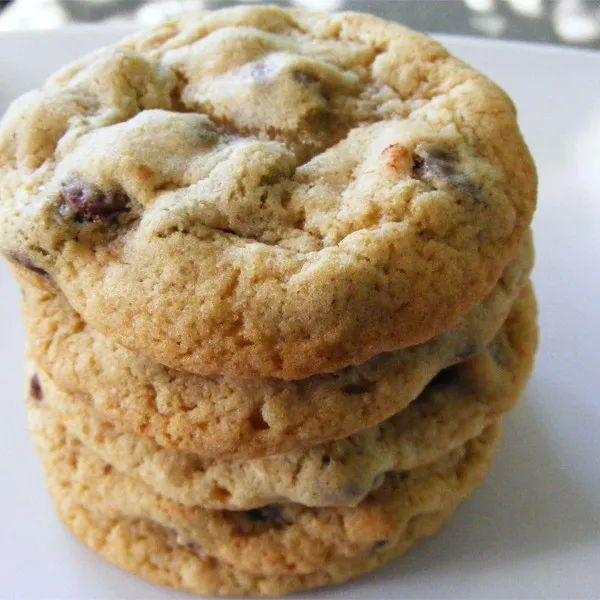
{"x":530,"y":506}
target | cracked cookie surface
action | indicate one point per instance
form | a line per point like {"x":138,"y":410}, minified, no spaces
{"x":455,"y":407}
{"x":153,"y":552}
{"x":274,"y":539}
{"x":224,"y":417}
{"x":319,"y":189}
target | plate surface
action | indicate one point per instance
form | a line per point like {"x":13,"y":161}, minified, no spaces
{"x":533,"y":529}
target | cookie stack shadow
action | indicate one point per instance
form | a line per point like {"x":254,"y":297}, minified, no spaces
{"x":230,"y":486}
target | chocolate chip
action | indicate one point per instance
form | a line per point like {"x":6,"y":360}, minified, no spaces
{"x":271,"y":514}
{"x":361,"y":387}
{"x":325,"y":460}
{"x":432,"y":164}
{"x":35,"y":389}
{"x":89,"y":202}
{"x":438,"y":167}
{"x":23,"y":262}
{"x":304,"y":78}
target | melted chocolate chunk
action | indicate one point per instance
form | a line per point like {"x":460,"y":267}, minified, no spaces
{"x":35,"y":389}
{"x":271,"y":514}
{"x":438,"y":167}
{"x":90,"y":203}
{"x":23,"y":262}
{"x":434,"y":164}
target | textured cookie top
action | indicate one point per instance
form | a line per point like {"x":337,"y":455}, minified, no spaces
{"x":225,"y":417}
{"x":266,"y":192}
{"x":156,"y":553}
{"x":275,"y":539}
{"x":454,"y":408}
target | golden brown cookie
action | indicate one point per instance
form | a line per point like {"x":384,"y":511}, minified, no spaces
{"x":274,"y":539}
{"x":154,"y":553}
{"x":224,"y":417}
{"x":456,"y":407}
{"x":259,"y":191}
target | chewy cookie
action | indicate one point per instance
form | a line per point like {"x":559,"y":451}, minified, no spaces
{"x":153,"y":552}
{"x":319,"y":188}
{"x":223,"y":417}
{"x":456,"y":407}
{"x":274,"y":539}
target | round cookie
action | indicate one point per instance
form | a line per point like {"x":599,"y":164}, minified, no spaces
{"x":454,"y":408}
{"x":262,"y":192}
{"x":274,"y":539}
{"x":154,"y":553}
{"x":223,"y":417}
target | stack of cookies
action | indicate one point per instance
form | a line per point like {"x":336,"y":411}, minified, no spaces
{"x":275,"y":270}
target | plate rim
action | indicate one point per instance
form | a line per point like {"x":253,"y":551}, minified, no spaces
{"x":466,"y":40}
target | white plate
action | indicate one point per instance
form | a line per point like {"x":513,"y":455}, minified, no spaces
{"x":533,"y":529}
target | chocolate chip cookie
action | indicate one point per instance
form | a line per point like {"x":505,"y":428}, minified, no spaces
{"x":455,"y":407}
{"x":266,"y":192}
{"x":155,"y":553}
{"x":274,"y":539}
{"x":224,"y":417}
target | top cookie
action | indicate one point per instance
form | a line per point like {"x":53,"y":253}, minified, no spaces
{"x":258,"y":191}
